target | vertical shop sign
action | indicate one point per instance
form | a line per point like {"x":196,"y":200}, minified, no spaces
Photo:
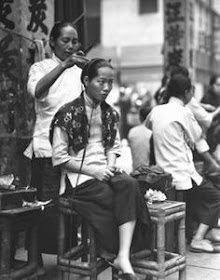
{"x":178,"y":33}
{"x":190,"y":35}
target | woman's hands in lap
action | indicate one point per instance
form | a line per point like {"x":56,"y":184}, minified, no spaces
{"x":105,"y":174}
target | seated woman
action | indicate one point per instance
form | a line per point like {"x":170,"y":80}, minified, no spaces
{"x":86,"y":144}
{"x":175,"y":133}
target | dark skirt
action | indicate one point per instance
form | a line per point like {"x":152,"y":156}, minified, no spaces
{"x":46,"y":179}
{"x":107,"y":205}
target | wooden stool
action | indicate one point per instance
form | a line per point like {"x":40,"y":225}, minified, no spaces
{"x":162,"y":263}
{"x":82,"y":258}
{"x":11,"y":222}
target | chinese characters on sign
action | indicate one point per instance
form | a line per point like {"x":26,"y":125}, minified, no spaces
{"x":38,"y":10}
{"x":20,"y":22}
{"x":174,"y":32}
{"x":7,"y":57}
{"x":190,"y":36}
{"x":8,"y":81}
{"x":179,"y":33}
{"x":5,"y":10}
{"x":14,"y":60}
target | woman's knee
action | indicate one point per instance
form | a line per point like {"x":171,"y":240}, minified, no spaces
{"x":211,"y":192}
{"x":126,"y":182}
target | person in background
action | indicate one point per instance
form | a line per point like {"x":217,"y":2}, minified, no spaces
{"x":52,"y":82}
{"x":203,"y":147}
{"x":124,"y":103}
{"x":139,"y":140}
{"x":85,"y":140}
{"x":160,"y":95}
{"x":212,"y":97}
{"x":211,"y":102}
{"x":205,"y":119}
{"x":175,"y":132}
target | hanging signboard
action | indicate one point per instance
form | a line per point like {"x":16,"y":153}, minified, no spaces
{"x":178,"y":33}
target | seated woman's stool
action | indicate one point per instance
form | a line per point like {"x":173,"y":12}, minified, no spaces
{"x":161,"y":263}
{"x":12,"y":222}
{"x":82,"y":258}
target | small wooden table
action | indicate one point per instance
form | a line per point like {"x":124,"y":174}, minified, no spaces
{"x":162,"y":263}
{"x":11,"y":222}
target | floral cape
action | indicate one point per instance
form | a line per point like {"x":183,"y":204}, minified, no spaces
{"x":72,"y":118}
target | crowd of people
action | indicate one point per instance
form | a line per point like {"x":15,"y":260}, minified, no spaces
{"x":76,"y":143}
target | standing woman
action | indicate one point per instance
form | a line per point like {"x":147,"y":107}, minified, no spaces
{"x":85,"y":145}
{"x":52,"y":82}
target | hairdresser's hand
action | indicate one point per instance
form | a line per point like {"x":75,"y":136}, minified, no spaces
{"x":77,"y":58}
{"x":208,"y":107}
{"x":103,"y":174}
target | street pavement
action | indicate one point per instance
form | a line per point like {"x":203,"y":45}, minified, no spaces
{"x":200,"y":266}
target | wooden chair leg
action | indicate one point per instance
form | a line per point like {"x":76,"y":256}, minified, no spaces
{"x":84,"y":233}
{"x":82,"y":256}
{"x":114,"y":274}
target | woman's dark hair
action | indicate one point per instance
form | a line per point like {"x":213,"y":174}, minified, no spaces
{"x":56,"y":30}
{"x":178,"y":84}
{"x":213,"y":79}
{"x":91,"y":68}
{"x":143,"y":112}
{"x":179,"y":69}
{"x":164,"y":80}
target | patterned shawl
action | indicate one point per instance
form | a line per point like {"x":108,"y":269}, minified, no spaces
{"x":72,"y":118}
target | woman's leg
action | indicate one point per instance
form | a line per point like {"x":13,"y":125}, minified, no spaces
{"x":112,"y":209}
{"x":128,"y":204}
{"x":206,"y":203}
{"x":201,"y":231}
{"x":46,"y":179}
{"x":125,"y":238}
{"x":199,"y":242}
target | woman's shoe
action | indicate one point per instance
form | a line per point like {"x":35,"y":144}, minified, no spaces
{"x":126,"y":276}
{"x":201,"y":246}
{"x":213,"y":235}
{"x":111,"y":263}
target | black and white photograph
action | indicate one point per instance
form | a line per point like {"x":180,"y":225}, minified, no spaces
{"x":109,"y":139}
